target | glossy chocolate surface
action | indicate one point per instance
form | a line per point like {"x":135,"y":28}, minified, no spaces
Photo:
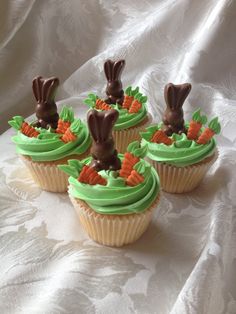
{"x":44,"y":90}
{"x":104,"y":154}
{"x":173,"y":117}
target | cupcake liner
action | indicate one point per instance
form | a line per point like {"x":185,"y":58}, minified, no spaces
{"x":112,"y":230}
{"x":47,"y":175}
{"x":124,"y":137}
{"x":182,"y":179}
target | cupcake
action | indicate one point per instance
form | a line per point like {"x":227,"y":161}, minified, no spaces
{"x":181,"y":152}
{"x":113,"y":195}
{"x":131,"y":105}
{"x":50,"y":140}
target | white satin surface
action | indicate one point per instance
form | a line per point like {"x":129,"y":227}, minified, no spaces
{"x":185,"y":262}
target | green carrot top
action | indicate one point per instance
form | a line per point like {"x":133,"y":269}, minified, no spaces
{"x":91,"y":100}
{"x":76,"y":127}
{"x":131,"y":92}
{"x":16,"y":122}
{"x":214,"y":125}
{"x":67,"y":114}
{"x":142,"y":99}
{"x":197,"y":117}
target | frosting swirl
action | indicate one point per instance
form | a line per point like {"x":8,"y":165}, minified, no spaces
{"x":182,"y":152}
{"x":127,"y":120}
{"x":116,"y":197}
{"x":48,"y":146}
{"x":128,"y":116}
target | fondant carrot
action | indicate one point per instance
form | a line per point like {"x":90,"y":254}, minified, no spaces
{"x":65,"y":119}
{"x":137,"y":103}
{"x":68,"y":136}
{"x":212,"y":129}
{"x":101,"y":105}
{"x":90,"y":176}
{"x":127,"y":165}
{"x":24,"y":127}
{"x":160,"y":137}
{"x":94,"y":102}
{"x":134,"y":178}
{"x":129,"y":97}
{"x":62,"y":126}
{"x":28,"y":130}
{"x":195,"y":125}
{"x":71,"y":134}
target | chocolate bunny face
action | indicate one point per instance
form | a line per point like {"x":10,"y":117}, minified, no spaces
{"x":44,"y":90}
{"x":100,"y":124}
{"x":173,"y":118}
{"x":114,"y":89}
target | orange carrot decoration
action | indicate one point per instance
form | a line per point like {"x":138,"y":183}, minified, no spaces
{"x":62,"y":126}
{"x":131,"y":158}
{"x":90,"y":176}
{"x":24,"y":127}
{"x":101,"y":105}
{"x":65,"y":119}
{"x":160,"y":137}
{"x":213,"y":128}
{"x":72,"y":132}
{"x":129,"y":97}
{"x":83,"y":173}
{"x":127,"y":165}
{"x":68,"y":136}
{"x":94,"y":102}
{"x":134,"y":178}
{"x":195,"y":125}
{"x":137,"y":103}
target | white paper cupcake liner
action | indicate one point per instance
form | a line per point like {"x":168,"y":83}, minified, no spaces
{"x":112,"y":230}
{"x":124,"y":137}
{"x":48,"y":176}
{"x":182,"y":179}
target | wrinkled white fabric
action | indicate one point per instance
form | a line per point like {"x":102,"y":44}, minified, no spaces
{"x":185,"y":262}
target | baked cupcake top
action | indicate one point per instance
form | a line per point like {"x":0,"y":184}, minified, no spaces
{"x":52,"y":136}
{"x":178,"y":143}
{"x":132,"y":189}
{"x":130,"y":104}
{"x":110,"y":183}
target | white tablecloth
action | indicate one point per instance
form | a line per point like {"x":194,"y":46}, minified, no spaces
{"x":185,"y":262}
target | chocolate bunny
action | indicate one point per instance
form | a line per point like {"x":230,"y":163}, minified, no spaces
{"x":173,"y":118}
{"x":100,"y":124}
{"x":114,"y":90}
{"x":44,"y":90}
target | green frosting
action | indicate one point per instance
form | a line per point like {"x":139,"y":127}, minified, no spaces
{"x":48,"y":146}
{"x":126,"y":120}
{"x":182,"y":152}
{"x":116,"y":197}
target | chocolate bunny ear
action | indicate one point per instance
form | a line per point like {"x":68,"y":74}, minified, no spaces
{"x":100,"y":123}
{"x":113,"y":69}
{"x":109,"y":120}
{"x":117,"y":69}
{"x":44,"y":89}
{"x":175,"y":95}
{"x":36,"y":86}
{"x":108,"y":65}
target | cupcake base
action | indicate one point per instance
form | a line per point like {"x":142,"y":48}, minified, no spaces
{"x":47,"y":175}
{"x":123,"y":138}
{"x":182,"y":179}
{"x":112,"y":230}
